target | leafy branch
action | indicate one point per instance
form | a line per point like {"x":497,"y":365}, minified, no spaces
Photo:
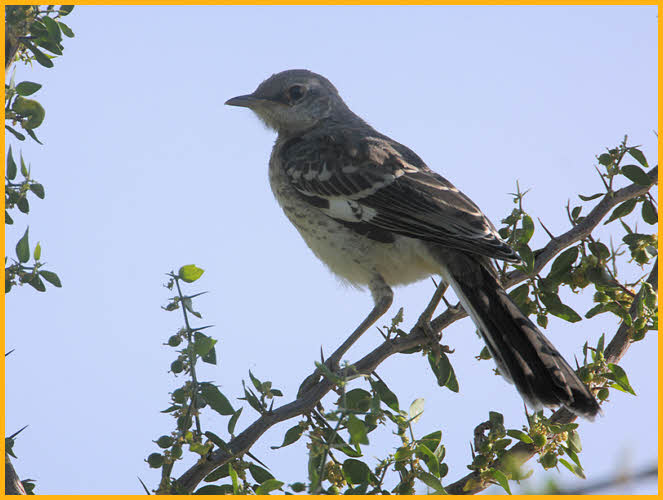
{"x":418,"y":339}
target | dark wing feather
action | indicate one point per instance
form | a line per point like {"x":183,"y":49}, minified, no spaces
{"x":374,"y":182}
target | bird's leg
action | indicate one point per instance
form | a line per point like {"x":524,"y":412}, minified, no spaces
{"x":383,"y":297}
{"x":426,"y":316}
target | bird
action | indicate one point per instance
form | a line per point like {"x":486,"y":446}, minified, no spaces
{"x":378,"y":217}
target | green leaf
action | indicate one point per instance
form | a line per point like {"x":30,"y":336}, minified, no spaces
{"x":431,"y":461}
{"x":269,"y":485}
{"x":210,"y":357}
{"x":49,"y":45}
{"x":501,"y":478}
{"x":443,"y":371}
{"x":27,"y":88}
{"x":31,"y":133}
{"x":520,"y":294}
{"x":636,"y":174}
{"x":23,"y":205}
{"x":520,"y":435}
{"x":605,"y":159}
{"x":555,"y":307}
{"x":11,"y":165}
{"x":356,"y":471}
{"x":24,"y":169}
{"x":51,"y":277}
{"x":23,"y":247}
{"x":619,"y":376}
{"x":591,"y":197}
{"x":16,"y":133}
{"x":217,"y":401}
{"x":37,"y":283}
{"x":190,"y":273}
{"x":65,"y":10}
{"x":233,"y":476}
{"x":622,"y":210}
{"x":233,"y":422}
{"x":542,"y":320}
{"x":416,"y":409}
{"x":527,"y":231}
{"x":53,"y":29}
{"x":432,"y":441}
{"x":298,"y":487}
{"x":639,"y":157}
{"x":259,"y":474}
{"x":574,"y":441}
{"x":385,"y":394}
{"x":357,"y":430}
{"x":8,"y":218}
{"x":66,"y":30}
{"x":202,"y":344}
{"x":40,"y":57}
{"x":432,"y":482}
{"x":324,"y":370}
{"x":573,"y":468}
{"x":357,"y":400}
{"x":527,"y":256}
{"x":37,"y":189}
{"x":291,"y":435}
{"x":600,"y":345}
{"x":563,"y":263}
{"x":36,"y":254}
{"x":599,"y":249}
{"x":188,"y":305}
{"x":220,"y":443}
{"x":649,"y":214}
{"x":256,"y":382}
{"x":213,"y":489}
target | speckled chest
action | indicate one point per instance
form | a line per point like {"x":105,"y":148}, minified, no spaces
{"x":351,"y":256}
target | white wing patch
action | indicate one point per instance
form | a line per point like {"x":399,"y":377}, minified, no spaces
{"x":349,"y":210}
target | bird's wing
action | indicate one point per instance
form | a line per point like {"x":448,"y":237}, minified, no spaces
{"x":376,"y":186}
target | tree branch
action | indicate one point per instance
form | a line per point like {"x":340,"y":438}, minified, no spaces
{"x":559,"y":243}
{"x":617,"y":479}
{"x":13,"y":485}
{"x":521,"y":452}
{"x":417,"y":338}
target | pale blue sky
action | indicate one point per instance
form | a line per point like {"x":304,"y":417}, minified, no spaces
{"x":146,"y":170}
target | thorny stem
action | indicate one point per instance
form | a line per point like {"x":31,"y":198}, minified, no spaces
{"x":191,"y":354}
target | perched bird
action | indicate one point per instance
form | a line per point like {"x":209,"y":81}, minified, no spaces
{"x":377,"y":216}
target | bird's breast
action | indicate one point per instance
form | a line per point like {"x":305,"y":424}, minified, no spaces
{"x":353,"y":257}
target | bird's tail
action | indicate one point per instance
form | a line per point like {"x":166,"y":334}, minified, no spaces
{"x":522,"y":354}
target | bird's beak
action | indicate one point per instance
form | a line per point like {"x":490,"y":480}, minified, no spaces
{"x":245,"y":101}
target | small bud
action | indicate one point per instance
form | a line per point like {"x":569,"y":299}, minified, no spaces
{"x":549,"y":460}
{"x":165,"y":441}
{"x":155,"y":460}
{"x":540,"y":440}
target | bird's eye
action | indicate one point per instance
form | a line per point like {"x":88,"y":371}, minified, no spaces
{"x":296,"y":92}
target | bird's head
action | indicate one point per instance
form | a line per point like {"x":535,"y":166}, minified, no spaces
{"x":293,"y":101}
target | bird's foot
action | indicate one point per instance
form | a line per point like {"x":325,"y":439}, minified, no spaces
{"x":433,"y":339}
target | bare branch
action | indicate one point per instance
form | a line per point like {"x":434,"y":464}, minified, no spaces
{"x":618,"y":479}
{"x":417,"y":338}
{"x":13,"y":485}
